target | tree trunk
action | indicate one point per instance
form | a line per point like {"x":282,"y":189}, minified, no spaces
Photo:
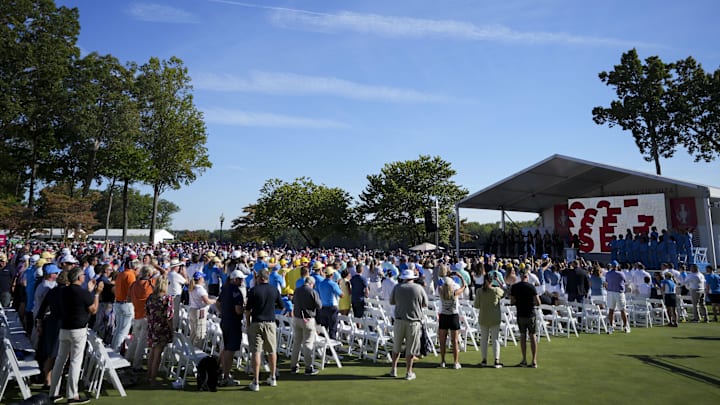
{"x":33,"y":175}
{"x":109,"y":210}
{"x":90,"y":173}
{"x":656,"y":158}
{"x":125,"y":209}
{"x":153,"y":219}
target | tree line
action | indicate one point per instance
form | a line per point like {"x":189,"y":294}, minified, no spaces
{"x":70,"y":121}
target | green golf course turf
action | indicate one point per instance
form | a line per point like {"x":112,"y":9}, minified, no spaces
{"x":660,"y":365}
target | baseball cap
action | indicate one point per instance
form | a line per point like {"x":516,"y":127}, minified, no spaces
{"x":68,"y":259}
{"x":51,"y":269}
{"x":198,"y":275}
{"x":237,"y":274}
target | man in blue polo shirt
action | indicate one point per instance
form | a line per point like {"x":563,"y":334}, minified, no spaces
{"x":615,"y":281}
{"x":712,"y":284}
{"x":330,"y":294}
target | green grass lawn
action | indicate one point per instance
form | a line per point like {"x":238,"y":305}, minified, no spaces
{"x":660,"y":365}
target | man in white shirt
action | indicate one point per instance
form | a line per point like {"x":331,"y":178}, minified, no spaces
{"x":176,"y":281}
{"x":695,"y":283}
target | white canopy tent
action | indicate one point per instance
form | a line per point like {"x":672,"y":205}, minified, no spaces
{"x":424,"y":247}
{"x":559,"y":178}
{"x":133,"y":235}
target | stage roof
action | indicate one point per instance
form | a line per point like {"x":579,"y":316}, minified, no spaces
{"x":559,"y":178}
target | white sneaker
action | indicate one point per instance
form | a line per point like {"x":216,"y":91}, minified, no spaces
{"x":392,"y":373}
{"x":457,"y":366}
{"x":627,"y":329}
{"x":254,"y":386}
{"x":410,"y":376}
{"x":272,"y":382}
{"x":610,"y":330}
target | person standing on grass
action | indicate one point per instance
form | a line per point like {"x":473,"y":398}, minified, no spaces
{"x":450,"y":316}
{"x":615,"y":284}
{"x":487,"y":301}
{"x":409,"y":300}
{"x":524,"y":296}
{"x":78,"y":305}
{"x":306,"y":303}
{"x":668,"y":287}
{"x":695,"y":283}
{"x":159,"y":311}
{"x":712,"y":285}
{"x":230,"y":303}
{"x":262,"y":330}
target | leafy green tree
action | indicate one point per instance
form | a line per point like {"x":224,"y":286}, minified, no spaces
{"x":139,"y":210}
{"x":395,"y":200}
{"x":314,"y":211}
{"x":644,"y":105}
{"x":697,"y":104}
{"x":173,"y":130}
{"x":38,"y":45}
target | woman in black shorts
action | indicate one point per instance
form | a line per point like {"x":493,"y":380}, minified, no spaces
{"x":449,"y":313}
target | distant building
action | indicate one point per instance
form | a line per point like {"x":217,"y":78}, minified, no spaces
{"x":133,"y":235}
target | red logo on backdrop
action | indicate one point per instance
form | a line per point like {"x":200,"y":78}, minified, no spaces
{"x":3,"y":240}
{"x":562,"y":219}
{"x":682,"y":213}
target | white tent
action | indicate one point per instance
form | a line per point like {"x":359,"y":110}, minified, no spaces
{"x":133,"y":235}
{"x":424,"y":247}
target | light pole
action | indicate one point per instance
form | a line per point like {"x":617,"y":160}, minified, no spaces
{"x":222,"y":219}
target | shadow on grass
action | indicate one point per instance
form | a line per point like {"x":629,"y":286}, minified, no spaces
{"x":710,"y":338}
{"x":657,"y":361}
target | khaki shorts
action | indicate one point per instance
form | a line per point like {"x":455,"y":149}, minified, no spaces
{"x":410,"y":333}
{"x":262,"y":337}
{"x":616,"y":300}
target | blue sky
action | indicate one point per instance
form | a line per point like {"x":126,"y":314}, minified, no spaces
{"x":333,"y":90}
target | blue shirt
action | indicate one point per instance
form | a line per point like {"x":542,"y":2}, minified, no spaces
{"x":30,"y":288}
{"x":615,"y":281}
{"x":668,"y":286}
{"x":276,"y":280}
{"x":596,"y":285}
{"x":214,"y":275}
{"x":329,"y":292}
{"x":712,"y":280}
{"x":358,"y":284}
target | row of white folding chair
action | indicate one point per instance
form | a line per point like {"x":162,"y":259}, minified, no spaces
{"x":469,"y":325}
{"x":659,"y":311}
{"x":13,"y":369}
{"x":101,"y":363}
{"x":639,"y":312}
{"x":593,"y":318}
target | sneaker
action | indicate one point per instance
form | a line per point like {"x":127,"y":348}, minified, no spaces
{"x":311,"y":371}
{"x":483,"y":363}
{"x":80,"y":400}
{"x":392,"y":373}
{"x":56,"y":399}
{"x":534,"y":365}
{"x":410,"y":376}
{"x":254,"y":386}
{"x":266,"y":368}
{"x":294,"y":369}
{"x":442,"y":364}
{"x":272,"y":382}
{"x":498,"y":364}
{"x":610,"y":330}
{"x":522,"y":364}
{"x":457,"y":366}
{"x":229,"y":382}
{"x":627,"y":329}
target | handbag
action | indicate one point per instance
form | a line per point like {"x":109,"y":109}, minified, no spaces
{"x":426,"y":345}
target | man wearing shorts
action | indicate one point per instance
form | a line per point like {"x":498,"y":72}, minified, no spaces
{"x":524,"y":296}
{"x":712,"y":284}
{"x":409,"y":300}
{"x":230,"y":304}
{"x":615,"y":281}
{"x":260,"y":318}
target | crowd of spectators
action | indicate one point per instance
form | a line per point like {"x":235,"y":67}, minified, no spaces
{"x":137,"y":290}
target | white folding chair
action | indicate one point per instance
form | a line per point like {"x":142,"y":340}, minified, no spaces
{"x":12,"y":369}
{"x":107,"y":362}
{"x":323,"y":345}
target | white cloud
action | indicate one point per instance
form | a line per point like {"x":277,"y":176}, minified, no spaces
{"x":292,"y":84}
{"x":268,"y":120}
{"x":152,"y":12}
{"x":406,"y":27}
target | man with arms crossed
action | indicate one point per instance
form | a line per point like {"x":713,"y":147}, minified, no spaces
{"x":409,"y":300}
{"x":262,"y":331}
{"x":524,"y":296}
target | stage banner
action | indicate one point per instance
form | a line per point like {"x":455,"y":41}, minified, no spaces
{"x":683,"y":214}
{"x":596,"y":220}
{"x":562,"y":220}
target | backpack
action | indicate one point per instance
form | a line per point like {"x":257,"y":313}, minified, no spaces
{"x":207,"y":374}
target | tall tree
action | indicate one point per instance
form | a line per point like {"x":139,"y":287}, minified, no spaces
{"x":38,"y":45}
{"x":139,"y":210}
{"x":395,"y":200}
{"x":59,"y":209}
{"x":644,"y":106}
{"x":173,"y":130}
{"x":315,"y":211}
{"x":697,"y":102}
